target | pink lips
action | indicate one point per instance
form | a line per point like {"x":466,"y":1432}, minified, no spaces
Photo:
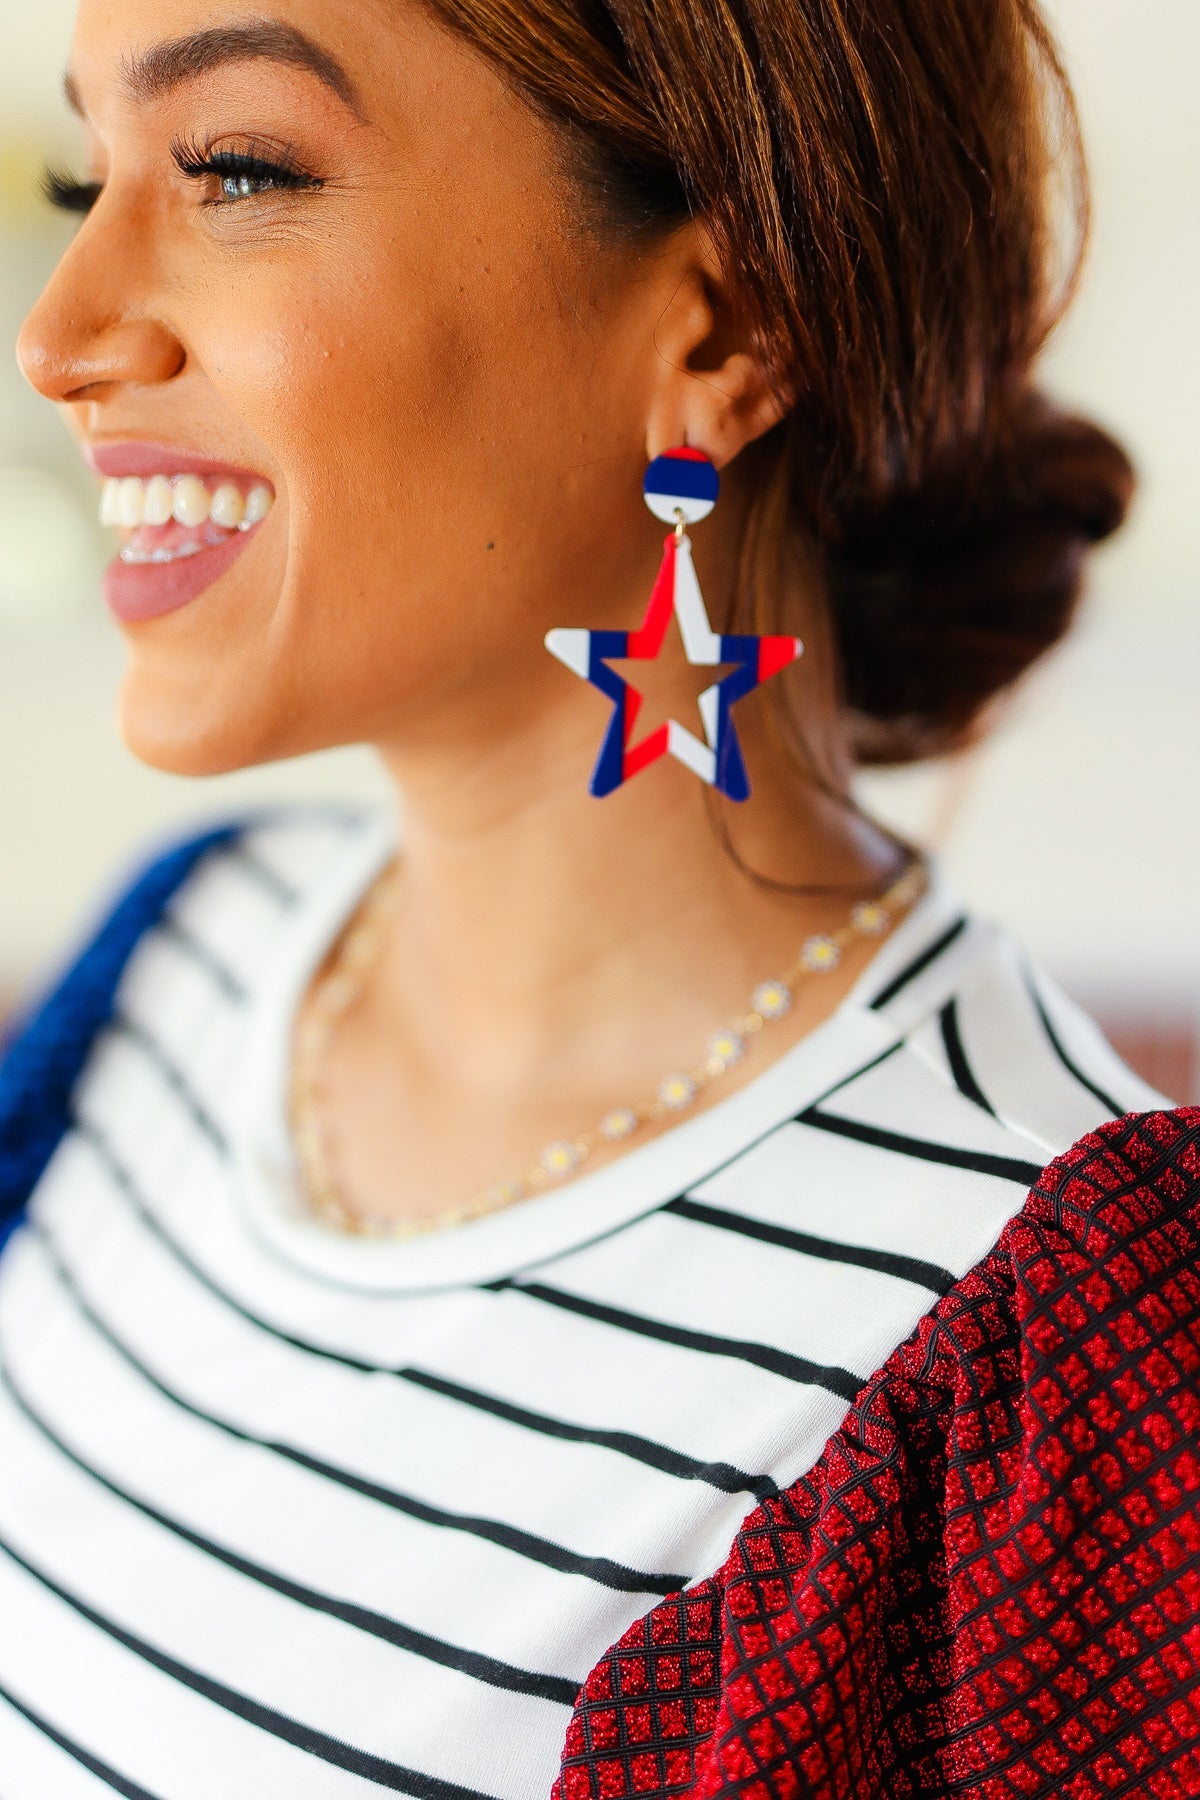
{"x":130,"y":458}
{"x":134,"y":592}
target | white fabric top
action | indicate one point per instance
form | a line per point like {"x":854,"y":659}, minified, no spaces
{"x":287,"y":1513}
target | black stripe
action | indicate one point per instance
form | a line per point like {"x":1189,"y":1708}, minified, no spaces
{"x":102,"y":1770}
{"x":269,"y":879}
{"x":721,"y":1475}
{"x":639,"y":1218}
{"x":494,"y":1531}
{"x":1068,"y":1062}
{"x":406,"y":1637}
{"x":919,"y":964}
{"x":738,"y":1156}
{"x":174,"y":1078}
{"x":886,"y":1262}
{"x":956,"y":1056}
{"x":303,"y":1737}
{"x":763,"y":1356}
{"x":728,"y":1162}
{"x":1007,"y":1168}
{"x":528,"y":1544}
{"x":218,"y":972}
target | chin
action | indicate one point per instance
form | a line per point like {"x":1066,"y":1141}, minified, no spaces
{"x":205,"y":689}
{"x":198,"y":730}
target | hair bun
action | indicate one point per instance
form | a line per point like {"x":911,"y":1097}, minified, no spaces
{"x":1075,"y":468}
{"x":945,"y":595}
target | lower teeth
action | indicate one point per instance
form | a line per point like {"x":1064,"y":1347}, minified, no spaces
{"x":130,"y":553}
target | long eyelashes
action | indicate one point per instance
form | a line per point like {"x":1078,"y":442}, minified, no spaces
{"x":241,"y":174}
{"x":66,"y":192}
{"x":235,"y":175}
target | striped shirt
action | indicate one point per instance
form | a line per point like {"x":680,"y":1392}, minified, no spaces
{"x":289,"y":1513}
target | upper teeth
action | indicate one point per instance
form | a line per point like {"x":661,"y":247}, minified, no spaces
{"x":130,"y":501}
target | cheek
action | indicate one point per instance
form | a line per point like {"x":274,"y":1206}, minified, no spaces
{"x":405,"y":407}
{"x":356,"y":387}
{"x":443,"y":445}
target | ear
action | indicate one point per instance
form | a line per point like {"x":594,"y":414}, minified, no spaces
{"x":709,"y":387}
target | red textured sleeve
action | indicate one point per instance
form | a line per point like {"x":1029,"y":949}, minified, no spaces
{"x":989,"y":1585}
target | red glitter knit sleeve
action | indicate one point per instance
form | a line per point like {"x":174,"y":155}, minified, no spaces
{"x":989,"y":1585}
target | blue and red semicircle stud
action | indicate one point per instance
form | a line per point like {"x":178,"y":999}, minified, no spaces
{"x":682,"y":480}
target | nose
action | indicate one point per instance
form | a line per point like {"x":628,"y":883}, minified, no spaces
{"x":94,"y":330}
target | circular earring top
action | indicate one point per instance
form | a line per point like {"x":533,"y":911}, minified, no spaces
{"x":681,"y":481}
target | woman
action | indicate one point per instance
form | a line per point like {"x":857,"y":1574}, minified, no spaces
{"x":442,"y":1265}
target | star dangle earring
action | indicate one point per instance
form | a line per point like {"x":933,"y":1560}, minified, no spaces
{"x":680,"y":488}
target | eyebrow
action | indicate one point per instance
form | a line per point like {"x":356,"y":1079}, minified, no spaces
{"x":148,"y":74}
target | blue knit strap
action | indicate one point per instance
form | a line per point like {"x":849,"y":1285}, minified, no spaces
{"x":41,"y":1060}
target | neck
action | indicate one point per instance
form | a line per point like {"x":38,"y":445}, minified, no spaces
{"x":532,"y":917}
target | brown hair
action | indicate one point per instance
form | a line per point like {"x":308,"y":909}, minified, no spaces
{"x":892,"y":181}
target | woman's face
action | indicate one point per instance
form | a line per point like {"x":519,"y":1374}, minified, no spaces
{"x":391,"y":320}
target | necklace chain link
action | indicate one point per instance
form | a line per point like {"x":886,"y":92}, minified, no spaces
{"x":357,"y":951}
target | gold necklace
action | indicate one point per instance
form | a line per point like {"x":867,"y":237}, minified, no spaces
{"x":358,"y":949}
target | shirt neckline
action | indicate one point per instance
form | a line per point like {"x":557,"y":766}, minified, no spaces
{"x":563,"y":1219}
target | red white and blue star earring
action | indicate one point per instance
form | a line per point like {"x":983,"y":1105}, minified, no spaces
{"x":680,"y":488}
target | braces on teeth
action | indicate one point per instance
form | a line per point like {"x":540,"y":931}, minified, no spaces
{"x":130,"y":502}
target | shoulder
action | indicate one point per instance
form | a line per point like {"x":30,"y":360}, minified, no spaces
{"x":1095,"y":1277}
{"x":281,"y":853}
{"x":967,"y":1073}
{"x":276,"y":853}
{"x":244,"y":885}
{"x":207,"y":905}
{"x":1110,"y":1230}
{"x":1019,"y":1478}
{"x":1061,"y":1371}
{"x":984,"y":1035}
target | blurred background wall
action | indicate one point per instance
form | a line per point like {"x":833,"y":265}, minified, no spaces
{"x":1079,"y":821}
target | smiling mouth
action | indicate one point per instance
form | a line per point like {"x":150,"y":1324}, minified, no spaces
{"x":184,"y":523}
{"x":172,"y":517}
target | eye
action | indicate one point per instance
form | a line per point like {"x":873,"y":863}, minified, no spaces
{"x":237,"y":175}
{"x":68,"y":193}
